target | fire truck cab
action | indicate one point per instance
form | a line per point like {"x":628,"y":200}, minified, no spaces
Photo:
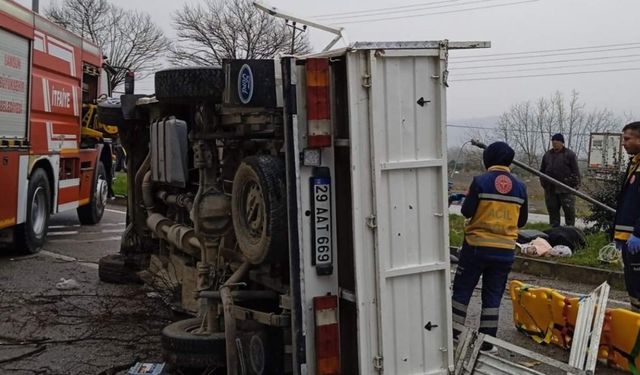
{"x":48,"y":162}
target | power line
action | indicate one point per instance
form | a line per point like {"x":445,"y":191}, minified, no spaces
{"x":546,"y":62}
{"x":546,"y":75}
{"x":436,"y":13}
{"x":548,"y":55}
{"x":546,"y":68}
{"x":329,"y":15}
{"x":519,"y":131}
{"x":396,"y":11}
{"x":547,"y":50}
{"x":470,"y":127}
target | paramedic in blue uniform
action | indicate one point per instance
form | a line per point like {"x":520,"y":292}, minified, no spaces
{"x":496,"y":205}
{"x":627,"y":222}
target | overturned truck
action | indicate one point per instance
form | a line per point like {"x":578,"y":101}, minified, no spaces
{"x":297,"y":208}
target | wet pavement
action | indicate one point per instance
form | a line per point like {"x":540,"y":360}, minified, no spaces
{"x":508,"y":331}
{"x":95,"y":328}
{"x":99,"y":328}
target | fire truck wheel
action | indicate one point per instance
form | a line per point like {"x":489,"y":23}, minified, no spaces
{"x":258,"y":208}
{"x":31,"y":235}
{"x":91,"y":213}
{"x":185,"y":84}
{"x":184,"y":347}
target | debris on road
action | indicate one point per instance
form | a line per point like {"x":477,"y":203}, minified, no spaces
{"x":147,"y":369}
{"x":67,"y":284}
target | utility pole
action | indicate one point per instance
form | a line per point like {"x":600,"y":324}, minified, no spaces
{"x":293,"y":34}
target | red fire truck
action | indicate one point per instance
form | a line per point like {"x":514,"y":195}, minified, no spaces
{"x":49,"y":162}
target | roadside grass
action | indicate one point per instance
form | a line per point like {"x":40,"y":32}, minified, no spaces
{"x":120,"y":184}
{"x":584,"y":257}
{"x":589,"y":255}
{"x":456,"y":226}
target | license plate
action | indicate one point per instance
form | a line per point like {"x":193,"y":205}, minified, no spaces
{"x":322,"y":239}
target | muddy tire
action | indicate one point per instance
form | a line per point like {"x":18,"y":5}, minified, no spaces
{"x":31,"y":235}
{"x":113,"y":270}
{"x":187,"y":84}
{"x":185,"y":349}
{"x":258,"y":209}
{"x":92,"y":213}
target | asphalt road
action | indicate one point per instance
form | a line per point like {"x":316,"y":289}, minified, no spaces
{"x":508,"y":332}
{"x":99,"y":328}
{"x":95,"y":328}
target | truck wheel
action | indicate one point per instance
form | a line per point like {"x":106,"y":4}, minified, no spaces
{"x":31,"y":235}
{"x":110,"y":112}
{"x":185,"y":84}
{"x":184,"y":348}
{"x":91,"y":213}
{"x":258,"y":208}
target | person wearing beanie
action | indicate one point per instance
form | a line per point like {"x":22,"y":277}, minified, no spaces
{"x":558,"y":137}
{"x":496,"y":206}
{"x":561,"y":164}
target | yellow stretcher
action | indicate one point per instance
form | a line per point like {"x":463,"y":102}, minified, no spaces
{"x":549,"y":317}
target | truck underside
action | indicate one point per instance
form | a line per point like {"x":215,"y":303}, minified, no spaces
{"x":209,"y":195}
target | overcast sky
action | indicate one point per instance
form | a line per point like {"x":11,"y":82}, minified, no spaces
{"x":607,"y":28}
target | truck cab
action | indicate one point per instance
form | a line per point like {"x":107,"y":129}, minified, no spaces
{"x":47,"y":162}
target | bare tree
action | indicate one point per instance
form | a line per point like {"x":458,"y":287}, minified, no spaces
{"x":628,"y":117}
{"x":544,"y":117}
{"x":234,"y":29}
{"x":528,"y":128}
{"x":130,"y":40}
{"x":518,"y":127}
{"x":596,"y":121}
{"x":575,"y":119}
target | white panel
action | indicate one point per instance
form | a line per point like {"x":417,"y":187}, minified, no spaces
{"x":91,"y":48}
{"x":17,"y":11}
{"x":69,"y":183}
{"x":68,"y":206}
{"x":362,"y":193}
{"x":39,"y":41}
{"x":48,"y":27}
{"x":410,"y":202}
{"x":14,"y":78}
{"x":64,"y":52}
{"x":23,"y":187}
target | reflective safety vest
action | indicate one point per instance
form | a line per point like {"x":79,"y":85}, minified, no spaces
{"x":497,"y":205}
{"x":628,"y":212}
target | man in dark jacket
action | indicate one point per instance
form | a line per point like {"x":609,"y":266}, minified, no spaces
{"x":561,"y":164}
{"x":627,"y":222}
{"x":496,"y":205}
